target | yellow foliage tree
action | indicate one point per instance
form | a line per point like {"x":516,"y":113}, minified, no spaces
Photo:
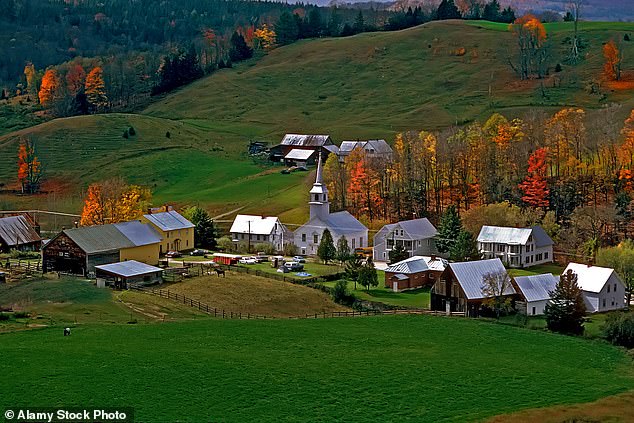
{"x":95,"y":89}
{"x":113,"y":201}
{"x":50,"y":88}
{"x":265,"y":37}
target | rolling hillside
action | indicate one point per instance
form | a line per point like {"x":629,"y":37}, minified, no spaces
{"x":370,"y":85}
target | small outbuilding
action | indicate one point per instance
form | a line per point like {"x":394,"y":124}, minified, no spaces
{"x":126,"y":272}
{"x":414,"y":272}
{"x":535,"y":292}
{"x":17,"y":234}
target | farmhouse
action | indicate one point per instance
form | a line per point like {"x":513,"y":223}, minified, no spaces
{"x":414,"y":272}
{"x":260,"y":229}
{"x":79,"y":250}
{"x":416,"y":236}
{"x":535,"y":292}
{"x":123,"y":273}
{"x":602,"y":288}
{"x":17,"y":234}
{"x":340,"y":224}
{"x":517,"y":247}
{"x":374,"y":149}
{"x":460,"y":288}
{"x":176,"y":231}
{"x":302,"y":150}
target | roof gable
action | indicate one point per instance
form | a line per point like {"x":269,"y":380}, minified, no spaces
{"x":256,"y":225}
{"x":591,"y":278}
{"x":15,"y":230}
{"x":470,"y":276}
{"x":514,"y":236}
{"x":138,"y":233}
{"x":98,"y":239}
{"x":537,"y":287}
{"x":306,"y":140}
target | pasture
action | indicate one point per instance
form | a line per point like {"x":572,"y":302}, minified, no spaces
{"x":397,"y":368}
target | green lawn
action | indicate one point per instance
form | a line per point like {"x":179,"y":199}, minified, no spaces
{"x":553,"y":268}
{"x":398,"y":368}
{"x":315,"y":269}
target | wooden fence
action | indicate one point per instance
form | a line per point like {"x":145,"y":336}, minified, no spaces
{"x":17,"y":268}
{"x":224,"y":314}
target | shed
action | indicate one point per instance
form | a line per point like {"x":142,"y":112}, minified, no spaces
{"x":17,"y":233}
{"x":227,"y":259}
{"x":535,"y":291}
{"x":414,"y":272}
{"x":299,"y":157}
{"x":123,"y":273}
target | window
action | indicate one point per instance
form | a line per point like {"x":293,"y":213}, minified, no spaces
{"x":546,"y":256}
{"x":614,"y":287}
{"x":383,"y":254}
{"x":303,"y":237}
{"x":187,"y":243}
{"x":604,"y":302}
{"x":533,"y":311}
{"x":303,"y":251}
{"x":353,"y":242}
{"x":360,"y":242}
{"x":315,"y":239}
{"x":608,"y":287}
{"x":258,"y":237}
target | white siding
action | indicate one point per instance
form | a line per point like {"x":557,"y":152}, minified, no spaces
{"x":539,"y":307}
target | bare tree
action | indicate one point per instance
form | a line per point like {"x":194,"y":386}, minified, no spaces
{"x":575,"y":8}
{"x":496,"y":290}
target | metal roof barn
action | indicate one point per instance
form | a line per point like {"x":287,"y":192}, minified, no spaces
{"x":470,"y":275}
{"x":537,"y":287}
{"x":306,"y":140}
{"x":15,"y":230}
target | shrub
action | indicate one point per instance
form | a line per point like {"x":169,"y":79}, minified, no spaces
{"x":265,"y":247}
{"x":225,"y":243}
{"x":619,"y":329}
{"x":4,"y":316}
{"x":290,"y":249}
{"x":340,"y":293}
{"x":168,"y":135}
{"x":626,"y":37}
{"x":125,"y":134}
{"x":131,"y":131}
{"x":22,"y":255}
{"x":21,"y":314}
{"x":558,"y":68}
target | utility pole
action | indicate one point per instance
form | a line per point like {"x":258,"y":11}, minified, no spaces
{"x":249,"y":242}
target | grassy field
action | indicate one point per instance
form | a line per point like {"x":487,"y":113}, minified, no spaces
{"x":241,"y":293}
{"x":553,"y":268}
{"x":415,"y":368}
{"x":70,"y":301}
{"x":314,"y":269}
{"x":369,"y":85}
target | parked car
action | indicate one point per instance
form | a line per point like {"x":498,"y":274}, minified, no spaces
{"x":247,"y":260}
{"x":198,"y":252}
{"x":173,"y":254}
{"x":294,"y":266}
{"x":262,"y":257}
{"x":299,"y":259}
{"x":283,"y":269}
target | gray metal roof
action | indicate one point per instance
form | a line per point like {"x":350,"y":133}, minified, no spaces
{"x":306,"y":140}
{"x":98,"y":239}
{"x":102,"y":238}
{"x":129,"y":268}
{"x":299,"y":154}
{"x":470,"y":275}
{"x":139,"y":233}
{"x":169,"y":221}
{"x":15,"y":230}
{"x":514,"y":236}
{"x":343,"y":222}
{"x":378,"y":146}
{"x":537,"y":287}
{"x":416,"y":228}
{"x":409,"y":266}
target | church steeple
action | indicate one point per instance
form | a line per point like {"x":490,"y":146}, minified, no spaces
{"x":319,"y":204}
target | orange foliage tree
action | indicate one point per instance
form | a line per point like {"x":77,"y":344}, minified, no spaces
{"x":531,"y":39}
{"x":613,"y":60}
{"x":50,"y":88}
{"x":29,"y":167}
{"x":75,"y":79}
{"x":95,"y":89}
{"x":535,"y":187}
{"x":363,"y":186}
{"x":113,"y":201}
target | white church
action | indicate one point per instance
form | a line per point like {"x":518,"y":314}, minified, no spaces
{"x":308,"y":236}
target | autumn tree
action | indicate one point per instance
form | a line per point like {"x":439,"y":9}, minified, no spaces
{"x":265,"y":37}
{"x":566,"y":137}
{"x":32,"y":82}
{"x":499,"y":214}
{"x":496,"y":287}
{"x":75,"y":79}
{"x":613,"y":60}
{"x":50,"y":89}
{"x":335,"y":177}
{"x":574,"y":12}
{"x":363,"y":185}
{"x":535,"y":187}
{"x":114,"y":201}
{"x":29,"y":167}
{"x":566,"y":309}
{"x":531,"y":41}
{"x":95,"y":89}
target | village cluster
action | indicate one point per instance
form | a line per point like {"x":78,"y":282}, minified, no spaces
{"x":129,"y":252}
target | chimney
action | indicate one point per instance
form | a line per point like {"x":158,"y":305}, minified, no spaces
{"x":76,"y":223}
{"x":149,"y":210}
{"x":167,"y":208}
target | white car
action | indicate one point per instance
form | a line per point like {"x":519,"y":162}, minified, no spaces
{"x":247,"y":260}
{"x":299,"y":259}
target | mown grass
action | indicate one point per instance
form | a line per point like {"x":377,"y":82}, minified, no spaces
{"x":249,"y":294}
{"x":553,"y":268}
{"x":399,"y":368}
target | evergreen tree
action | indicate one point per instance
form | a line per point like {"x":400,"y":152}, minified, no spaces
{"x":359,"y":23}
{"x":367,"y":275}
{"x":566,"y":309}
{"x":326,"y":250}
{"x":398,"y":253}
{"x":447,"y":9}
{"x":353,"y":267}
{"x":507,"y":15}
{"x":205,"y":232}
{"x":491,"y":11}
{"x":334,"y":24}
{"x":315,"y":24}
{"x":449,"y":230}
{"x":343,"y":249}
{"x":286,"y":29}
{"x":347,"y":30}
{"x":239,"y":48}
{"x":465,"y":248}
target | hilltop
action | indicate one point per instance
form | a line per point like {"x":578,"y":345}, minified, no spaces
{"x":370,"y":85}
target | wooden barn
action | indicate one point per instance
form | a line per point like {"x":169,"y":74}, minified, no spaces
{"x":17,"y":234}
{"x":414,"y":272}
{"x":302,"y":150}
{"x":80,"y":250}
